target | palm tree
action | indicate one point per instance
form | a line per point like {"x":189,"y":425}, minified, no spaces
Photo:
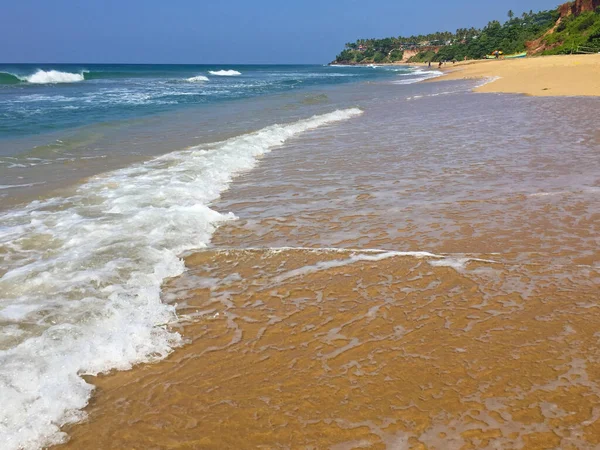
{"x":511,"y":14}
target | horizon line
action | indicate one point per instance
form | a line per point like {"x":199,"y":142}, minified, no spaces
{"x":172,"y":63}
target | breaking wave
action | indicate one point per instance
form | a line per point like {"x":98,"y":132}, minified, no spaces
{"x":9,"y":78}
{"x":41,"y":77}
{"x":196,"y":79}
{"x":419,"y":75}
{"x":53,"y":76}
{"x":225,"y":73}
{"x":94,"y":294}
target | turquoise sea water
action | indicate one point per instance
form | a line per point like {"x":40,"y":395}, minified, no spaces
{"x":60,"y":123}
{"x":38,"y":98}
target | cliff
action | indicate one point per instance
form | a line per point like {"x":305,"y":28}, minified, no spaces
{"x":578,"y":7}
{"x":573,"y":27}
{"x":568,"y":11}
{"x":409,"y":55}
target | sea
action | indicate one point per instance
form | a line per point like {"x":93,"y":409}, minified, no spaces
{"x":314,"y":256}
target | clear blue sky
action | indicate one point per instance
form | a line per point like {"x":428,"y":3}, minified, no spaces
{"x":225,"y":31}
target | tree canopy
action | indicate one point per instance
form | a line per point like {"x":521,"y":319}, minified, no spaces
{"x":567,"y":34}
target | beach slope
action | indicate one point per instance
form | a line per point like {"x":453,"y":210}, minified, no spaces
{"x":565,"y":75}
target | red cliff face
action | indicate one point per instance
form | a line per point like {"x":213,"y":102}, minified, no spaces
{"x":578,"y":6}
{"x":575,"y":8}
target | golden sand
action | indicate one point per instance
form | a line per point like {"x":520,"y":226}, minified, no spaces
{"x":291,"y":348}
{"x":566,"y":75}
{"x":344,"y":350}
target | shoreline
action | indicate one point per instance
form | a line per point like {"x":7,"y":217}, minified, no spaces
{"x":476,"y":237}
{"x":563,"y":75}
{"x":298,"y":328}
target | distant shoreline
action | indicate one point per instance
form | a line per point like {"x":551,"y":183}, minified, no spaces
{"x":540,"y":76}
{"x":545,"y":76}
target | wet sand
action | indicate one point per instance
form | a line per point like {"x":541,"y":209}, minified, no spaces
{"x":471,"y":323}
{"x":396,"y":353}
{"x":564,"y":75}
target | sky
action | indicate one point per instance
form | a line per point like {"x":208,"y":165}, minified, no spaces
{"x":225,"y":31}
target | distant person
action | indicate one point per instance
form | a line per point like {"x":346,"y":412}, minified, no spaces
{"x":440,"y":65}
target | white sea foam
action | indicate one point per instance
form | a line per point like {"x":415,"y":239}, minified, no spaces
{"x":458,"y":263}
{"x":81,"y":292}
{"x":548,"y":194}
{"x":225,"y":73}
{"x":197,"y":78}
{"x":455,"y":263}
{"x":372,"y":256}
{"x":14,"y":186}
{"x":53,"y":76}
{"x":487,"y":80}
{"x":418,"y":76}
{"x":321,"y":75}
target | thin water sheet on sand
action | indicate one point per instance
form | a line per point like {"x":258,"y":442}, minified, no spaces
{"x":330,"y":349}
{"x":400,"y":281}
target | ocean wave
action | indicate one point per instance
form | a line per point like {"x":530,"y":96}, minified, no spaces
{"x":197,"y":78}
{"x":9,"y":78}
{"x":14,"y":186}
{"x":95,"y":296}
{"x":300,"y":75}
{"x":53,"y":76}
{"x":224,"y":73}
{"x":41,"y":77}
{"x":419,"y":76}
{"x":57,"y":76}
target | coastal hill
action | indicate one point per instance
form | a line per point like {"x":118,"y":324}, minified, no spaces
{"x":573,"y":27}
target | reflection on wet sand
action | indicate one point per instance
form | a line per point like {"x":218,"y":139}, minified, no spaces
{"x":301,"y":337}
{"x":343,"y":350}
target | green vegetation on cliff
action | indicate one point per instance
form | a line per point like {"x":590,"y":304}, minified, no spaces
{"x":575,"y":34}
{"x":510,"y":37}
{"x":547,"y":32}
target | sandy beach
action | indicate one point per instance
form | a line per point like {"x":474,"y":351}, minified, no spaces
{"x":222,"y":235}
{"x":386,"y":351}
{"x":438,"y":294}
{"x":568,"y":75}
